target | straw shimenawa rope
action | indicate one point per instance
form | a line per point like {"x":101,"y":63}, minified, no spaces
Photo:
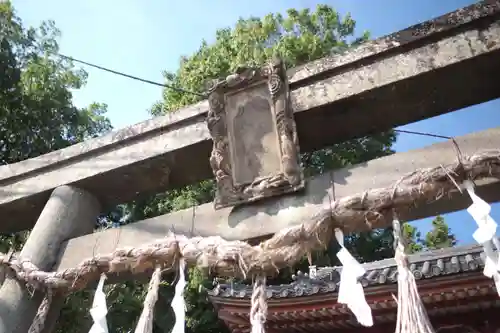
{"x":371,"y":209}
{"x":145,"y":323}
{"x":38,"y":323}
{"x":412,"y":315}
{"x":258,"y":307}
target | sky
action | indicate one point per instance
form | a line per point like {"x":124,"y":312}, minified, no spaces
{"x":144,"y":38}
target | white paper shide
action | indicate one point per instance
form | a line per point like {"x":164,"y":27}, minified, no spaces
{"x":485,"y":233}
{"x":99,"y":309}
{"x":351,"y":291}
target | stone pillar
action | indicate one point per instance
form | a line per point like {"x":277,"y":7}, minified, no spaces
{"x":69,"y":212}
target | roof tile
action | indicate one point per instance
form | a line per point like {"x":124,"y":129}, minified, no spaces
{"x":424,"y":265}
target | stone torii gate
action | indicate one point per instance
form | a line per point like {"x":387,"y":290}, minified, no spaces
{"x":426,"y":70}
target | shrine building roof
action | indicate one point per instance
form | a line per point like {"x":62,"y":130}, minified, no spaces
{"x":450,"y":282}
{"x":424,"y":265}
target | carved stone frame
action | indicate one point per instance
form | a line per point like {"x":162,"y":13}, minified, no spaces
{"x":290,"y":178}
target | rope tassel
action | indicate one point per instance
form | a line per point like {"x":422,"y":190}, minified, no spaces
{"x":412,"y":316}
{"x":178,"y":302}
{"x":145,"y":323}
{"x":258,"y":309}
{"x":38,"y":323}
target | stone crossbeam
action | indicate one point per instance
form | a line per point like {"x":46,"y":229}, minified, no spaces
{"x":268,"y":217}
{"x":426,"y":70}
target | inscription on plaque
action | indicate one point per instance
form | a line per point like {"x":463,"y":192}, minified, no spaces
{"x":254,"y":145}
{"x":255,"y":150}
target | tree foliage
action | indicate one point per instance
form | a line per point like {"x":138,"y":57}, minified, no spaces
{"x":439,"y":237}
{"x":297,"y":37}
{"x":37,"y":114}
{"x":36,"y":110}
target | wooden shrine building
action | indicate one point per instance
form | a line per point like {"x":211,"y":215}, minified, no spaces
{"x":458,"y":297}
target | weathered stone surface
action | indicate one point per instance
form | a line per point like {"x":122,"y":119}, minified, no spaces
{"x":400,"y":88}
{"x":433,"y":68}
{"x":444,"y":24}
{"x":272,"y":215}
{"x":255,"y":152}
{"x":70,"y":212}
{"x":249,"y":133}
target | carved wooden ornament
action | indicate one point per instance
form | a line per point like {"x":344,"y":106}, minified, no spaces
{"x":255,"y":148}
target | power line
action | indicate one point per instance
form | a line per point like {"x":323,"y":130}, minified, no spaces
{"x":181,"y":90}
{"x":432,"y":135}
{"x":424,"y":134}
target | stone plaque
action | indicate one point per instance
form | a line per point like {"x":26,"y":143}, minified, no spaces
{"x":255,"y":148}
